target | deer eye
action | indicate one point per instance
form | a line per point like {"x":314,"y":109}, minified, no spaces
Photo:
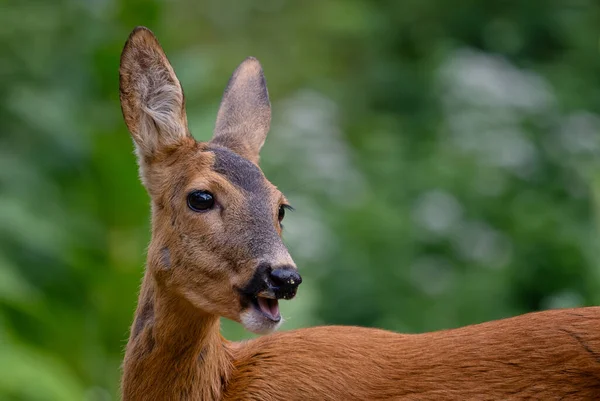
{"x":200,"y":201}
{"x":281,"y":213}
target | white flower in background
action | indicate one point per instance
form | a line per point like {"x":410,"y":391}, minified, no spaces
{"x":486,"y":101}
{"x":437,"y":212}
{"x":309,"y":140}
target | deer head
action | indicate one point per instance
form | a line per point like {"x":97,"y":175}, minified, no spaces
{"x":216,"y":220}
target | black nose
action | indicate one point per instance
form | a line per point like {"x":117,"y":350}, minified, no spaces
{"x":286,"y":281}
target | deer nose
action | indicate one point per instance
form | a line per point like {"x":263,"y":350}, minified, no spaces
{"x":286,"y":281}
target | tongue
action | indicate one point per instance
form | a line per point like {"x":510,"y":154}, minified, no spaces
{"x":269,"y":307}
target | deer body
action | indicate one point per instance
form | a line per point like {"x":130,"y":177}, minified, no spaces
{"x":216,"y":252}
{"x":542,"y":356}
{"x":545,"y":355}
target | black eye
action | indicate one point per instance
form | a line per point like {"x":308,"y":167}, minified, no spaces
{"x":200,"y":201}
{"x":281,"y":213}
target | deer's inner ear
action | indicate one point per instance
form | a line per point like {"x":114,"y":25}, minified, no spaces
{"x":151,"y":96}
{"x":244,"y":117}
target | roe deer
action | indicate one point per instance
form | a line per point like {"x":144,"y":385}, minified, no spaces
{"x":216,"y":251}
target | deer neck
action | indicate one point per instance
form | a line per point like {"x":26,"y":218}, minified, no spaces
{"x":175,"y":351}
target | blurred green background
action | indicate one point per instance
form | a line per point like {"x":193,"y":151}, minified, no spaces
{"x":442,"y":157}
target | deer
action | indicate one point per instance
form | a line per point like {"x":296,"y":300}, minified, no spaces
{"x":216,"y":251}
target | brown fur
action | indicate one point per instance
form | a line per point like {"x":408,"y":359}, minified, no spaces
{"x":198,"y":262}
{"x":543,"y":356}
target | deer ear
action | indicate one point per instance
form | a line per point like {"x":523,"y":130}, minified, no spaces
{"x":244,"y":116}
{"x":151,"y":96}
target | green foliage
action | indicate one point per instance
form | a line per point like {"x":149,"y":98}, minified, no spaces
{"x":442,"y":158}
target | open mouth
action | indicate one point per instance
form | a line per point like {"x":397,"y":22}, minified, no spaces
{"x":268,"y":306}
{"x":259,"y":298}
